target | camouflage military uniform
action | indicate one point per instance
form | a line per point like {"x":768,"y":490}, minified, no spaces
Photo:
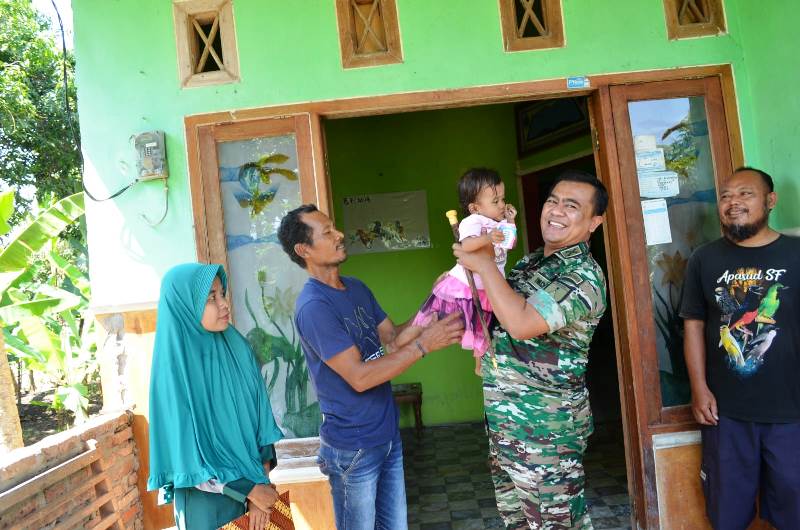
{"x":536,"y":401}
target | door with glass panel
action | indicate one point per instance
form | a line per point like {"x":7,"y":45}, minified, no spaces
{"x":673,"y":149}
{"x":250,"y":175}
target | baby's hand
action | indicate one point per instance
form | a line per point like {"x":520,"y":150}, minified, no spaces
{"x":497,"y":236}
{"x":511,"y":213}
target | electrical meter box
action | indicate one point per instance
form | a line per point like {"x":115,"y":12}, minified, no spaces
{"x":151,"y":155}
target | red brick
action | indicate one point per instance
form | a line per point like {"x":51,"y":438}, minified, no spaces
{"x":124,"y":468}
{"x":123,"y":450}
{"x":79,"y":477}
{"x":61,"y":451}
{"x":18,"y":471}
{"x":55,"y":491}
{"x":84,"y":498}
{"x":122,"y":436}
{"x":25,"y":508}
{"x":118,"y":488}
{"x":129,"y":499}
{"x":130,"y":513}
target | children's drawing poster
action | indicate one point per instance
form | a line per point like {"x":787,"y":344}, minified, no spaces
{"x":385,"y":222}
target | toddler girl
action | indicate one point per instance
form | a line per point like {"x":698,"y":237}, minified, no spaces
{"x":482,"y":197}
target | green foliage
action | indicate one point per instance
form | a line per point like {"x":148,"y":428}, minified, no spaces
{"x":681,"y":155}
{"x":38,"y":135}
{"x":44,"y":304}
{"x":16,"y":256}
{"x":44,"y":290}
{"x":6,"y":211}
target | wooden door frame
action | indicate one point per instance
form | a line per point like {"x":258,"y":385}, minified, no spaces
{"x":659,"y":416}
{"x":200,"y":137}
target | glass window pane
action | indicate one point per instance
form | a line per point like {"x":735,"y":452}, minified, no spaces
{"x":259,"y":184}
{"x":679,"y":208}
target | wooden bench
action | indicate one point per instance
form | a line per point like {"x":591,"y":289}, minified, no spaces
{"x":59,"y":506}
{"x":410,"y":393}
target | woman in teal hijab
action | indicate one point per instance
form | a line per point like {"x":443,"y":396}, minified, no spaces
{"x":211,"y":425}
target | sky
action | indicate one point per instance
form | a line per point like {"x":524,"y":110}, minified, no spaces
{"x":45,"y":7}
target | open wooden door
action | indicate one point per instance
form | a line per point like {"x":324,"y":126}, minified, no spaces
{"x":661,"y":149}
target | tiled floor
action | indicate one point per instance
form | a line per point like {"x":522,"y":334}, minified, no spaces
{"x":449,"y":487}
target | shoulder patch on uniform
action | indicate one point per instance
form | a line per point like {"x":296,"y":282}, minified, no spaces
{"x":571,"y":284}
{"x":559,"y":291}
{"x":572,"y":279}
{"x":540,"y":281}
{"x":570,"y":252}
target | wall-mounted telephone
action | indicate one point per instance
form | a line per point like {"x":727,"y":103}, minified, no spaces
{"x":151,"y":155}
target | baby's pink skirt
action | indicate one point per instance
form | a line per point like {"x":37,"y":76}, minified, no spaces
{"x":451,"y":295}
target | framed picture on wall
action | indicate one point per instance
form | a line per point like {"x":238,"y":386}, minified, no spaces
{"x":545,"y":122}
{"x":386,"y":222}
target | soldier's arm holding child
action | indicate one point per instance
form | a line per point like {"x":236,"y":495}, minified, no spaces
{"x":513,"y":311}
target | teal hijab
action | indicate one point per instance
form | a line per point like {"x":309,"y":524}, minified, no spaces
{"x":209,"y":411}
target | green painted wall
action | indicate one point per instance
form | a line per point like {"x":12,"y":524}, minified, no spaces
{"x":771,"y":46}
{"x":422,"y":150}
{"x":128,"y":82}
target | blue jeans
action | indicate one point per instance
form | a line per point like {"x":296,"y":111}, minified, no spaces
{"x":367,"y":486}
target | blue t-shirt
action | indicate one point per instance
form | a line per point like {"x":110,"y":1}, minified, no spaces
{"x":330,"y":321}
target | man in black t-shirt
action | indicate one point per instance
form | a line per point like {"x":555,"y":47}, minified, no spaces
{"x":741,"y":311}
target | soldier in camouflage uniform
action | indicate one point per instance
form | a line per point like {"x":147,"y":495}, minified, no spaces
{"x":536,"y":401}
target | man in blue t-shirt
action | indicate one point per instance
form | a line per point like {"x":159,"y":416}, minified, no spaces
{"x":353,"y":350}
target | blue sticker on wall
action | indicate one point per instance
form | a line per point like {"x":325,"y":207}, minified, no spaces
{"x":577,"y":82}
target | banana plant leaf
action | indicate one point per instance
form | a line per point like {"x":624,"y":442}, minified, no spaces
{"x":42,"y":338}
{"x":33,"y":358}
{"x":14,"y":296}
{"x":13,"y":313}
{"x":6,"y":209}
{"x":15,"y":257}
{"x":73,"y":398}
{"x":75,"y":275}
{"x":71,"y":322}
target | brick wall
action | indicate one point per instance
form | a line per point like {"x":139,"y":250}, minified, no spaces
{"x":119,"y":455}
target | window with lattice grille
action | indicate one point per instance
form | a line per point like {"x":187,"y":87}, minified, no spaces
{"x":206,"y":42}
{"x":694,"y":18}
{"x":531,"y":24}
{"x":369,"y":34}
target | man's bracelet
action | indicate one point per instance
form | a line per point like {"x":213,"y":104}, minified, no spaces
{"x":421,"y":347}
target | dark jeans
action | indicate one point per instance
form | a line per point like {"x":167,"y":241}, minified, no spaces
{"x":744,"y":459}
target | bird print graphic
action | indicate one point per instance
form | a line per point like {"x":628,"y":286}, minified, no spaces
{"x":748,"y":305}
{"x":727,"y":341}
{"x":760,"y":346}
{"x":749,"y":310}
{"x":727,"y":304}
{"x":769,"y":305}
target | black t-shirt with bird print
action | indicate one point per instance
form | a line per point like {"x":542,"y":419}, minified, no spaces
{"x":749,"y":299}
